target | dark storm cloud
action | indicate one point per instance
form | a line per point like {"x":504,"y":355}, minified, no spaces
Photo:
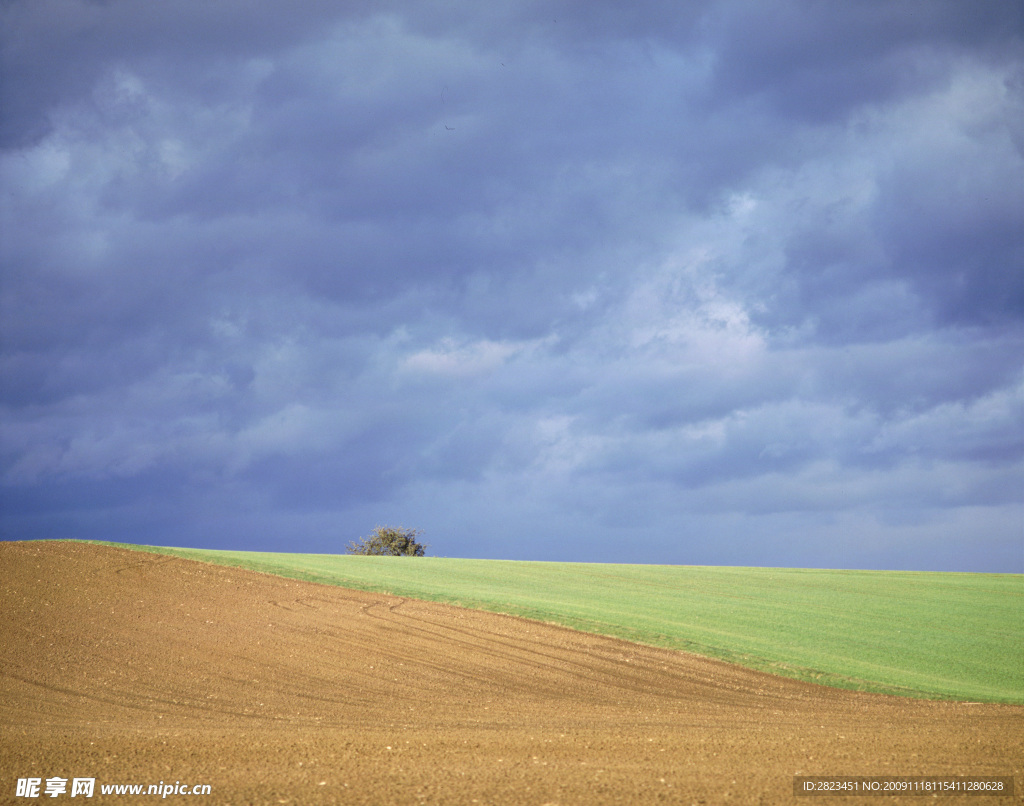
{"x":814,"y":61}
{"x":55,"y":51}
{"x":734,"y":283}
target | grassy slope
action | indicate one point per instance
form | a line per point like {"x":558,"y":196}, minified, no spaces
{"x":924,"y":634}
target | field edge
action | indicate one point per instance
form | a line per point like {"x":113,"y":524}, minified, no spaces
{"x":772,"y":666}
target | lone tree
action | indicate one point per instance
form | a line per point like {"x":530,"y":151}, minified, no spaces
{"x":389,"y":541}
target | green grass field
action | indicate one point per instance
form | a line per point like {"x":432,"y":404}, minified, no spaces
{"x":939,"y":635}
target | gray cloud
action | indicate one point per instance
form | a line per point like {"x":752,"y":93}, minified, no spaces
{"x":738,"y":283}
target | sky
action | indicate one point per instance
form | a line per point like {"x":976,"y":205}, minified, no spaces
{"x":724,"y":282}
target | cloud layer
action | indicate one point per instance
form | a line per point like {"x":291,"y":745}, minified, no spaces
{"x":736,"y":284}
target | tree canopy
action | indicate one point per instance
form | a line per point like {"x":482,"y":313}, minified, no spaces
{"x":392,"y":541}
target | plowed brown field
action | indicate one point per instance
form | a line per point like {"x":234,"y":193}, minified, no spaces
{"x":139,"y":668}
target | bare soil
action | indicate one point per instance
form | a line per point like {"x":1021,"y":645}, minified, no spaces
{"x":139,"y":668}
